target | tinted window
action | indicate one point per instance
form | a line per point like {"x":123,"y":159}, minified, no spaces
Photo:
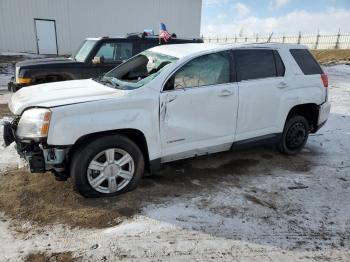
{"x":255,"y":64}
{"x":147,"y":45}
{"x":113,"y":52}
{"x":209,"y":69}
{"x":306,"y":61}
{"x":280,"y":69}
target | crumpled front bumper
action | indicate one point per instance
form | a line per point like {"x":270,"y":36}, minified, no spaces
{"x":8,"y":134}
{"x":40,"y":157}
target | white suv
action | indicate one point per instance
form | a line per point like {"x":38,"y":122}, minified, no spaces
{"x":168,"y":103}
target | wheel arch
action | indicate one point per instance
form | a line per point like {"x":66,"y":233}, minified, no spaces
{"x":134,"y":135}
{"x":309,"y":110}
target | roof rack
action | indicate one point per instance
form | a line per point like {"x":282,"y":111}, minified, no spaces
{"x":144,"y":35}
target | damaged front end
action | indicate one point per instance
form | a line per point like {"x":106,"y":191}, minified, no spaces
{"x":40,"y":156}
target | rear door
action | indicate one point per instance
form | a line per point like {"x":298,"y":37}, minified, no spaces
{"x":261,"y":82}
{"x":198,"y":108}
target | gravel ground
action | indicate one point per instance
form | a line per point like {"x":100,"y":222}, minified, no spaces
{"x":252,"y":205}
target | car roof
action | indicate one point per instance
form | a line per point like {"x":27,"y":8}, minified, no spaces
{"x":183,"y":50}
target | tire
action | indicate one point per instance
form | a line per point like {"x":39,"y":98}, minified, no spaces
{"x":100,"y":159}
{"x":294,"y":136}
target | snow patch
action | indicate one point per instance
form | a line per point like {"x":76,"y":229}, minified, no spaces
{"x":9,"y":158}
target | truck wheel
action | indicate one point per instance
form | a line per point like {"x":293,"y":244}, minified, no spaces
{"x":295,"y":135}
{"x":107,"y":166}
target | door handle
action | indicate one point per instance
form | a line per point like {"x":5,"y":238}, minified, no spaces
{"x":171,"y":98}
{"x":226,"y":92}
{"x":282,"y":85}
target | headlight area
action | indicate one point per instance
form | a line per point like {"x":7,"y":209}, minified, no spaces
{"x":31,"y":136}
{"x":34,"y":124}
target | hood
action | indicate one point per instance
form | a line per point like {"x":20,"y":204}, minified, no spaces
{"x":45,"y":61}
{"x":60,"y":93}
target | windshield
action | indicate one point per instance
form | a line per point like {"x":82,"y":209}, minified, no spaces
{"x":138,"y":71}
{"x":84,"y":50}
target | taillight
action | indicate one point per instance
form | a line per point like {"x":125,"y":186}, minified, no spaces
{"x":324,"y":78}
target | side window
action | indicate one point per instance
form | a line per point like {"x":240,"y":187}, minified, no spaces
{"x":114,"y":52}
{"x":280,"y":68}
{"x":306,"y":61}
{"x":206,"y":70}
{"x":124,"y":51}
{"x":255,"y":64}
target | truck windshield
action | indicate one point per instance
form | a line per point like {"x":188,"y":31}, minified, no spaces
{"x":138,"y":70}
{"x":84,"y":50}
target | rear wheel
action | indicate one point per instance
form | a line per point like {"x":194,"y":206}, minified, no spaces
{"x":107,"y":166}
{"x":295,"y":135}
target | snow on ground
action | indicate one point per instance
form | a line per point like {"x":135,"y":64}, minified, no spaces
{"x":9,"y":159}
{"x":5,"y":76}
{"x":4,"y":97}
{"x":290,"y":209}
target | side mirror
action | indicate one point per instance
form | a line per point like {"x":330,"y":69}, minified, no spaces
{"x":98,"y":60}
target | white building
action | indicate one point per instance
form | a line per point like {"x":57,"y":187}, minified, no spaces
{"x":59,"y":26}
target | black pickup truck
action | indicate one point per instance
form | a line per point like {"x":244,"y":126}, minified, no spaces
{"x":95,"y":57}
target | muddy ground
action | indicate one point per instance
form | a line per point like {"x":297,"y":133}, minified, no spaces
{"x":4,"y":111}
{"x":54,"y":257}
{"x":43,"y":200}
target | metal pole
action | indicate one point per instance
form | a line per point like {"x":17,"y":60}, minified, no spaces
{"x":284,"y":38}
{"x":338,"y":38}
{"x":268,"y":40}
{"x":317,"y":39}
{"x":299,"y":37}
{"x":257,"y":37}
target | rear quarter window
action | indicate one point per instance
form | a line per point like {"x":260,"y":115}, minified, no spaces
{"x":306,"y":61}
{"x":280,"y":68}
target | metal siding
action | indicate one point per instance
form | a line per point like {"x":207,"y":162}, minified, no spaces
{"x":76,"y":20}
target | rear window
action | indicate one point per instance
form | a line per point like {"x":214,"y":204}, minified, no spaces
{"x":256,"y":64}
{"x":306,"y":61}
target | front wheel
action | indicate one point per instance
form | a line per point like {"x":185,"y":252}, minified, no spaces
{"x":107,"y":166}
{"x":295,"y":135}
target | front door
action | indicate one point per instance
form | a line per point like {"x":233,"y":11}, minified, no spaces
{"x":46,"y":36}
{"x":198,"y":108}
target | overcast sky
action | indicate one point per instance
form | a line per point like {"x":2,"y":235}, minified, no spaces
{"x":230,"y":17}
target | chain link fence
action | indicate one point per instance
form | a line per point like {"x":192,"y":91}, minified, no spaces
{"x":329,"y":41}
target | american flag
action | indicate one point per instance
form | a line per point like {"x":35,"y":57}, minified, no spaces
{"x":163,"y":33}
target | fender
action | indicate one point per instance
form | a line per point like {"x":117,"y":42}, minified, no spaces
{"x":71,"y":122}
